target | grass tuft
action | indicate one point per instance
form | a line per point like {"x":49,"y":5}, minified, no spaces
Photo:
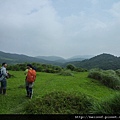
{"x":60,"y":103}
{"x":109,"y":106}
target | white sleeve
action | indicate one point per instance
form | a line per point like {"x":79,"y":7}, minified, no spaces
{"x":4,"y":72}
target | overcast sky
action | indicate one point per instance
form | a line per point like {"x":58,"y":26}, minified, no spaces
{"x":63,"y":28}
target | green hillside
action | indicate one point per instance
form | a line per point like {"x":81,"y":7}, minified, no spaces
{"x":102,"y":61}
{"x":15,"y":100}
{"x":19,"y":58}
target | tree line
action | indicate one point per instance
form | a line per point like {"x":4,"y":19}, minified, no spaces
{"x":48,"y":68}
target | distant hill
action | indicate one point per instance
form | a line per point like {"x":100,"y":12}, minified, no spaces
{"x":17,"y":58}
{"x":20,"y":58}
{"x":51,"y":58}
{"x":79,"y":58}
{"x":62,"y":60}
{"x":103,"y":61}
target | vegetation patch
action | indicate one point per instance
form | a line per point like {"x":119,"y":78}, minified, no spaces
{"x":70,"y":101}
{"x":108,"y":77}
{"x":66,"y":73}
{"x":109,"y":106}
{"x":59,"y":103}
{"x":118,"y":72}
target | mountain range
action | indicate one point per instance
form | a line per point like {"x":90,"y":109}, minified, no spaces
{"x":20,"y":58}
{"x":103,"y":61}
{"x":63,"y":60}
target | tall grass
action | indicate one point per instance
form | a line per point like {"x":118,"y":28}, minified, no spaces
{"x":50,"y":87}
{"x":109,"y":77}
{"x":60,"y":103}
{"x":109,"y":106}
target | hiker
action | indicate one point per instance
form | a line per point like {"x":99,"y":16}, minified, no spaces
{"x":30,"y":78}
{"x":3,"y":79}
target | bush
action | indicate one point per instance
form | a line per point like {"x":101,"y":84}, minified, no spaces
{"x":71,"y":67}
{"x":39,"y":67}
{"x":110,"y":106}
{"x":111,"y":81}
{"x":80,"y":70}
{"x":59,"y":103}
{"x":95,"y":74}
{"x":66,"y":73}
{"x":108,"y":77}
{"x":118,"y":72}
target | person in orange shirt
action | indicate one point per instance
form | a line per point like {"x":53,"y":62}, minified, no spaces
{"x":29,"y":84}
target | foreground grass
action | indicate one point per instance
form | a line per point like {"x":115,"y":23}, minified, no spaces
{"x":46,"y":83}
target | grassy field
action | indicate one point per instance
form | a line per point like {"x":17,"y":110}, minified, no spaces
{"x":47,"y":83}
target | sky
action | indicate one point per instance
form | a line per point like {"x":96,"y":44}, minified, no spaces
{"x":63,"y":28}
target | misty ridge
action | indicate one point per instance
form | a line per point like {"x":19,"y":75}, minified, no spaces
{"x":20,"y":58}
{"x":103,"y":61}
{"x":63,"y":60}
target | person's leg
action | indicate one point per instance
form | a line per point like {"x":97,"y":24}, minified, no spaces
{"x":30,"y":89}
{"x":1,"y":88}
{"x":27,"y":89}
{"x":4,"y":86}
{"x":4,"y":91}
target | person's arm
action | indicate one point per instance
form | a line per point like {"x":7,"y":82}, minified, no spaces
{"x":4,"y":72}
{"x":26,"y":71}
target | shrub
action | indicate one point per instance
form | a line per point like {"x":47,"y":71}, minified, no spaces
{"x":109,"y":72}
{"x":111,"y":81}
{"x":39,"y":67}
{"x":59,"y":103}
{"x":95,"y":74}
{"x":118,"y":72}
{"x":109,"y":106}
{"x":71,"y":67}
{"x":80,"y":70}
{"x":66,"y":73}
{"x":108,"y":77}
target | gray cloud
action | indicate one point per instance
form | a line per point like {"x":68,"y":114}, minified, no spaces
{"x":37,"y":27}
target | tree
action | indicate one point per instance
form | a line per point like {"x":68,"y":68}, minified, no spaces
{"x":71,"y":67}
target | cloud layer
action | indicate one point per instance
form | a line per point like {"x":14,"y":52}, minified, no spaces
{"x":63,"y":27}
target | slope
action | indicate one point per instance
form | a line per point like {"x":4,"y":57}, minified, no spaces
{"x":47,"y":83}
{"x":103,"y":61}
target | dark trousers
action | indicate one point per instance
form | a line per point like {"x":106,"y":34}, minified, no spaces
{"x":3,"y":86}
{"x":29,"y":89}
